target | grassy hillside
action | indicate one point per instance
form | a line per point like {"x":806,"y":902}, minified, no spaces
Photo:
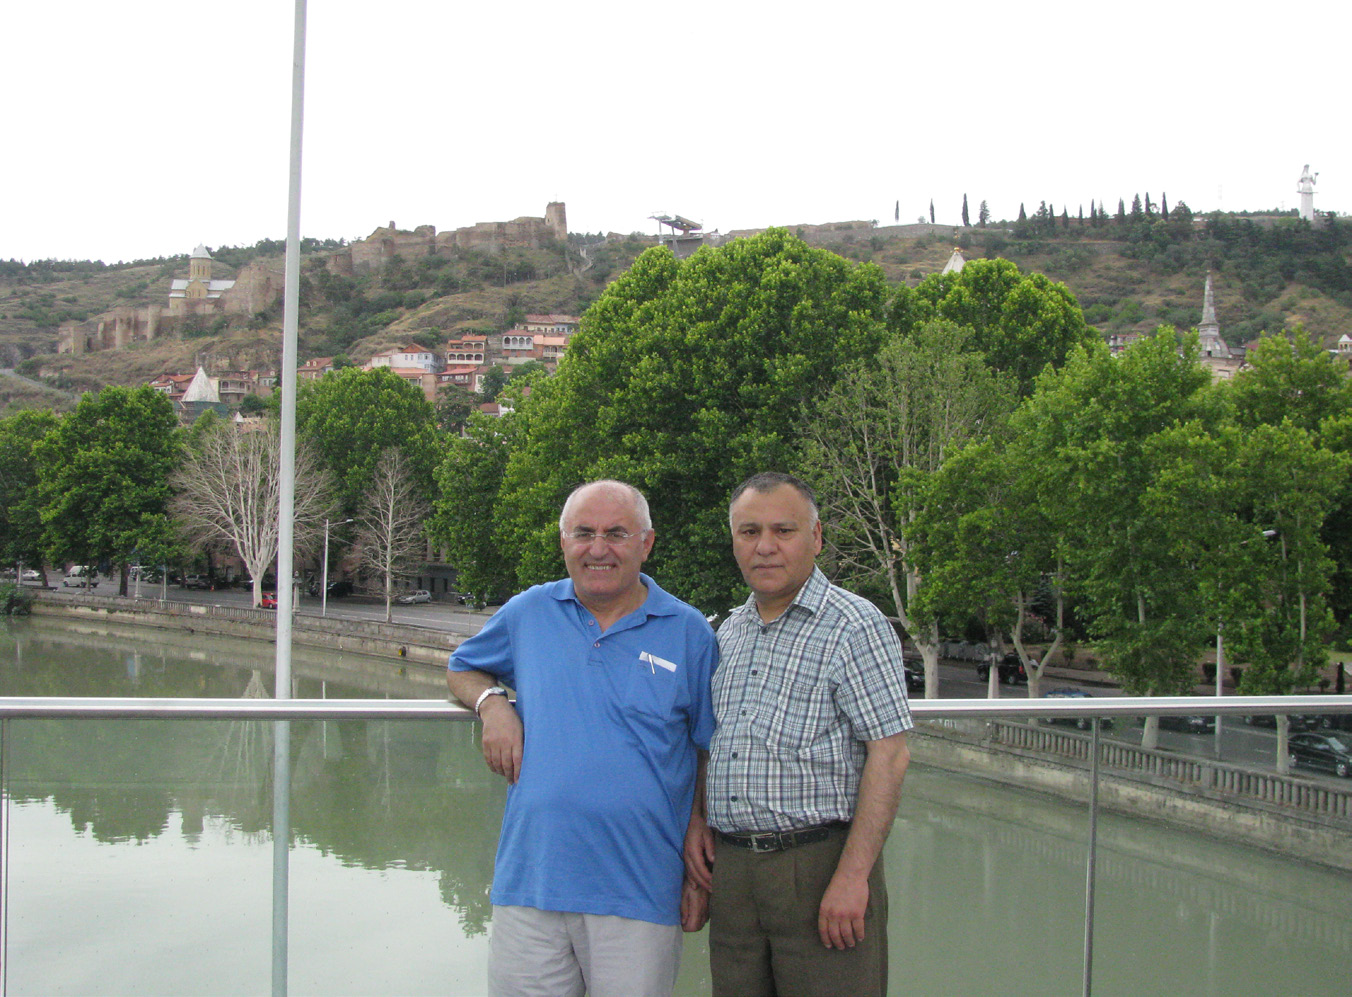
{"x":1270,"y":273}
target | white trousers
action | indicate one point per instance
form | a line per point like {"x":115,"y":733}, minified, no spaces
{"x":545,"y":953}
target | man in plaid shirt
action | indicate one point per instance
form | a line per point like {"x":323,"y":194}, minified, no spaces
{"x":805,"y":767}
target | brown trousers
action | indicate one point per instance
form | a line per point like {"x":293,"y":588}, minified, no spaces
{"x":763,"y":939}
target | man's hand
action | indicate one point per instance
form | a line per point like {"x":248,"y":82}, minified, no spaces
{"x":840,"y":920}
{"x":503,"y":737}
{"x":699,"y":853}
{"x":694,"y":905}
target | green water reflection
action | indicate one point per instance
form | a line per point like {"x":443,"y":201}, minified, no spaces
{"x":139,"y":854}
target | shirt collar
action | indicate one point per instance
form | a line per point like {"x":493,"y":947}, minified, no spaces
{"x":658,"y":602}
{"x":811,"y":597}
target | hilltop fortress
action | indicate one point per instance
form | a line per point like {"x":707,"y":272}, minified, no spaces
{"x":382,"y":245}
{"x":205,"y":300}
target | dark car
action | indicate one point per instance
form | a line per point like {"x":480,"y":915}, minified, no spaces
{"x":1011,"y":669}
{"x":1298,"y":721}
{"x":1192,"y":723}
{"x":1326,"y":752}
{"x":340,"y":588}
{"x":1083,"y":723}
{"x":914,"y":670}
{"x":1330,"y":721}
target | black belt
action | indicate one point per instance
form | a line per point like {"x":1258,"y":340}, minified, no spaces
{"x":777,"y":841}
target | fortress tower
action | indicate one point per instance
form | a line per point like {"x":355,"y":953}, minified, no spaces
{"x":556,"y":219}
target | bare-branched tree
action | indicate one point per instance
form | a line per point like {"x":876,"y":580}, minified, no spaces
{"x":228,"y":493}
{"x":390,"y":522}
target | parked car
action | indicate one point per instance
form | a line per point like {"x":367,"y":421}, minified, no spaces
{"x":914,"y":670}
{"x":414,"y":597}
{"x":1327,"y":752}
{"x":1011,"y":669}
{"x":340,"y":588}
{"x":196,"y":582}
{"x":1082,"y":723}
{"x":268,"y":600}
{"x":1330,"y":721}
{"x":1298,"y":721}
{"x":1193,"y":723}
{"x":32,"y":575}
{"x":90,"y":581}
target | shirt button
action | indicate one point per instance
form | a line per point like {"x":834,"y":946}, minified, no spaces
{"x":591,"y":623}
{"x":743,"y":713}
{"x":754,"y":672}
{"x":597,"y":644}
{"x":734,"y":754}
{"x":733,"y":799}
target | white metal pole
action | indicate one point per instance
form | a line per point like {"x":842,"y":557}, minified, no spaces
{"x":1220,"y":665}
{"x":281,"y":741}
{"x":324,"y":579}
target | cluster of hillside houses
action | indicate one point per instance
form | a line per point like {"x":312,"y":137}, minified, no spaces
{"x":462,"y":362}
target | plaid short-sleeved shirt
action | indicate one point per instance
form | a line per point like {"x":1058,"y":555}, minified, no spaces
{"x":795,"y":700}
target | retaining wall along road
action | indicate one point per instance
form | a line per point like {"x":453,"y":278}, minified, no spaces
{"x":1309,"y":819}
{"x":424,"y":645}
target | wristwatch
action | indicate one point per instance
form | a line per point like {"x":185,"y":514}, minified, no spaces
{"x":493,"y":690}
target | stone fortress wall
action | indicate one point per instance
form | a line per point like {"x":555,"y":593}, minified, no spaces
{"x":387,"y":242}
{"x":260,"y":284}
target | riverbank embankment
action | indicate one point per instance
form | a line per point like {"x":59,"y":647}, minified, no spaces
{"x":424,"y":646}
{"x":1309,"y":819}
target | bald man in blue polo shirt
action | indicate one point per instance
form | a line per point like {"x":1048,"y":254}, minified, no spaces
{"x":612,"y":677}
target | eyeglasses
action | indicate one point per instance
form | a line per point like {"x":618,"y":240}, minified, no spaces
{"x":613,"y":538}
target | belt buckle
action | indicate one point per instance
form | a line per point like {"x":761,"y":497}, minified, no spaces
{"x":769,"y":842}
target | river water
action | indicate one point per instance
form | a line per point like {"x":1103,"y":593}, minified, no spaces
{"x":139,"y":857}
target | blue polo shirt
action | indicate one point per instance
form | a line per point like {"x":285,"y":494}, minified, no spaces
{"x":597,"y":820}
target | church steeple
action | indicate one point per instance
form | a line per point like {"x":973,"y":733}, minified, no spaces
{"x":199,"y":264}
{"x":1209,"y":330}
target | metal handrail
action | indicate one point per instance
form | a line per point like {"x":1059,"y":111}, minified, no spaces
{"x":430,"y":709}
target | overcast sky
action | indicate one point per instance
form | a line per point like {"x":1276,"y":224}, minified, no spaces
{"x":144,"y":127}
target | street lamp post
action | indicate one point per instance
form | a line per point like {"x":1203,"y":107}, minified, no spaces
{"x":1220,"y":655}
{"x":324,"y":583}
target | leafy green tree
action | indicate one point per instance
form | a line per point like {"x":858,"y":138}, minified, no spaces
{"x":931,"y":211}
{"x":104,"y":476}
{"x":352,"y":416}
{"x":875,"y":441}
{"x":1294,"y":379}
{"x":469,"y":483}
{"x":1092,"y":420}
{"x":20,"y":500}
{"x":454,"y":405}
{"x":983,"y":215}
{"x":494,"y":379}
{"x":1020,"y":322}
{"x":1291,"y":484}
{"x":990,"y":543}
{"x":966,"y":219}
{"x":685,"y":378}
{"x":1023,"y":215}
{"x":1164,"y":206}
{"x":252,"y":405}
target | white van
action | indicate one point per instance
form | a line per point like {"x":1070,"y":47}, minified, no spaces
{"x":81,"y":576}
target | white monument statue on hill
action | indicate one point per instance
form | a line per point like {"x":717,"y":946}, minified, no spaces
{"x":1306,"y":191}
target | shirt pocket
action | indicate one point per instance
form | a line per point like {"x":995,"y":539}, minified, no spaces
{"x":651,"y":689}
{"x":794,"y":719}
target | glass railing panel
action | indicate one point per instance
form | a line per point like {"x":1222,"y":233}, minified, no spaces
{"x":140,"y":862}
